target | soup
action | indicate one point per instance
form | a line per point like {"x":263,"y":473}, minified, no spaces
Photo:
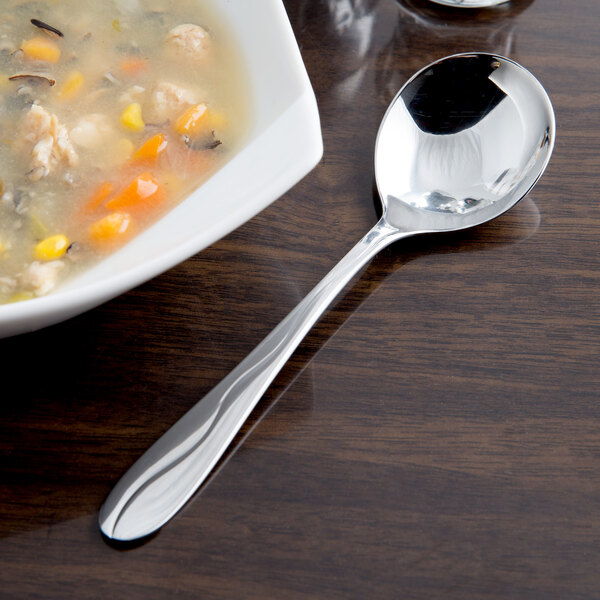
{"x":110,"y":114}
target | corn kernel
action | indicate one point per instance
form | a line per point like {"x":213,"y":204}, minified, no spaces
{"x":51,"y":248}
{"x":123,"y":150}
{"x":39,"y":48}
{"x":131,"y":118}
{"x":72,"y":85}
{"x":20,"y":297}
{"x":215,"y":120}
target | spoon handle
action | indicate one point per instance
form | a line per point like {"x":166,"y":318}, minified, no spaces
{"x":169,"y":472}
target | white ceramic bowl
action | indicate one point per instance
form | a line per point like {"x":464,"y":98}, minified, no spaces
{"x":283,"y":146}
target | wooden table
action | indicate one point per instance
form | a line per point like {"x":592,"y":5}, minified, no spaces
{"x":436,"y":436}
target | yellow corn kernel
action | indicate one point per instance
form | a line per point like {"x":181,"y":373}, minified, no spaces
{"x":39,"y":48}
{"x":3,"y":247}
{"x":51,"y":248}
{"x":131,"y":118}
{"x":122,"y":151}
{"x":72,"y":85}
{"x":215,"y":120}
{"x":191,"y":121}
{"x":20,"y":297}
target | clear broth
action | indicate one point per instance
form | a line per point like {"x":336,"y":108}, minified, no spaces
{"x":119,"y":50}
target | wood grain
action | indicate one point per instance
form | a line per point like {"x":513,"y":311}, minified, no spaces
{"x":435,"y":436}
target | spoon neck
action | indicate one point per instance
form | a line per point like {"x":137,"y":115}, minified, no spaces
{"x":381,"y":235}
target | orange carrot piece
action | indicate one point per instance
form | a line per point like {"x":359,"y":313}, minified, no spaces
{"x":40,"y":48}
{"x":143,"y":192}
{"x":101,"y":193}
{"x":110,"y":228}
{"x":133,"y":65}
{"x":191,"y":122}
{"x":151,"y":148}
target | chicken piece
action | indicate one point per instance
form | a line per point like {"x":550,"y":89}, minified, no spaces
{"x":134,"y":94}
{"x":168,"y":100}
{"x":128,"y":6}
{"x":49,"y":142}
{"x":191,"y":41}
{"x":7,"y":285}
{"x":39,"y":277}
{"x":93,"y":131}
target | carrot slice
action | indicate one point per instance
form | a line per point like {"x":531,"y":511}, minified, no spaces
{"x":110,"y":228}
{"x":151,"y":148}
{"x":143,"y":192}
{"x":133,"y":65}
{"x":39,"y":48}
{"x":101,"y":193}
{"x":72,"y":86}
{"x":191,"y":121}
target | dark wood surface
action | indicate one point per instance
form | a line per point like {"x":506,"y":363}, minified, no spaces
{"x":437,"y":435}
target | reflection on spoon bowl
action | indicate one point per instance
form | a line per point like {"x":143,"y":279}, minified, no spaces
{"x":462,"y":142}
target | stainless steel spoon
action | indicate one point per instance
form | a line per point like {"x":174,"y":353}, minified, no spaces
{"x":464,"y":140}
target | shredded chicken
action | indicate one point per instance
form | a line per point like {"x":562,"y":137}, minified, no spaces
{"x":7,"y":285}
{"x":189,"y":40}
{"x":92,"y":131}
{"x":49,"y":142}
{"x":39,"y":277}
{"x":133,"y":94}
{"x":168,"y":100}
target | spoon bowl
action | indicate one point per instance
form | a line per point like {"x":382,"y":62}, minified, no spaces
{"x":461,"y":143}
